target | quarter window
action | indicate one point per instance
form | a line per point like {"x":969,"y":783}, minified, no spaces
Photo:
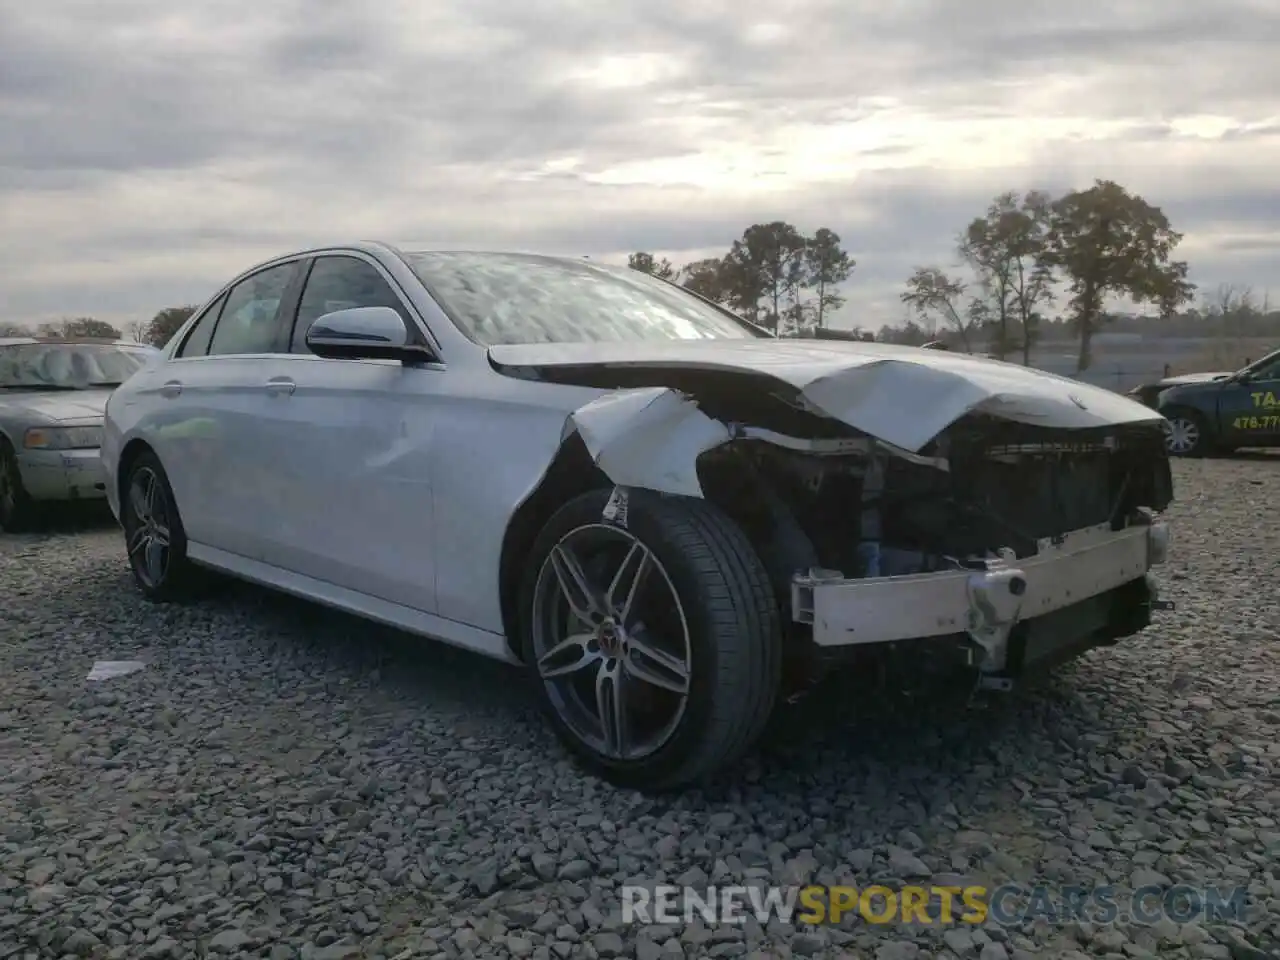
{"x":248,"y":323}
{"x":201,"y":332}
{"x":341,"y":283}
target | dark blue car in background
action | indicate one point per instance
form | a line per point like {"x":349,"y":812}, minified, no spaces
{"x":1219,"y":413}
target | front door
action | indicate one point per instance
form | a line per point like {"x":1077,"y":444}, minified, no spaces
{"x":357,"y":511}
{"x":1249,"y":406}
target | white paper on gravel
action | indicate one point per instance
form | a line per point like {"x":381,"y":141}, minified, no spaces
{"x":109,"y":669}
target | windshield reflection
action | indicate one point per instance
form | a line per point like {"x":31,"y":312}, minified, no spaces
{"x":68,"y":366}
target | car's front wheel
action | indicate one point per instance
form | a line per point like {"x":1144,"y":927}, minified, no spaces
{"x":653,"y":637}
{"x":155,"y":539}
{"x":1185,"y":434}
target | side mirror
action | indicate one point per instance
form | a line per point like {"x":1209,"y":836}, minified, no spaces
{"x":364,"y":333}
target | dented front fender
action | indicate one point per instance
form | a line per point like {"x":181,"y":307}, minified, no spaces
{"x":648,"y":437}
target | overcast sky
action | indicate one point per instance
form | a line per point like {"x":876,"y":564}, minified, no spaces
{"x":149,"y":149}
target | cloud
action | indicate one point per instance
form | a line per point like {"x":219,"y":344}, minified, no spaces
{"x":149,"y":151}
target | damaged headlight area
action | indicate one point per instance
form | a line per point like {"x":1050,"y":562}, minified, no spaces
{"x":1009,"y":545}
{"x":1019,"y":535}
{"x":866,"y":511}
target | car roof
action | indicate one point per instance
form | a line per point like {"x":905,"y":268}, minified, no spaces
{"x":377,"y":247}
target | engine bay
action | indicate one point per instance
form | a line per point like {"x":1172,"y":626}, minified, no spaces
{"x":982,"y":486}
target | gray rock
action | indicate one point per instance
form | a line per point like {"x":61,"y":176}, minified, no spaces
{"x":608,"y":945}
{"x":81,"y":942}
{"x":907,"y":865}
{"x":959,"y":940}
{"x":576,"y":870}
{"x":229,"y":941}
{"x":898,"y":950}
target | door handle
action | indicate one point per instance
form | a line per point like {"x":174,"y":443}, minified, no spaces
{"x":280,"y":386}
{"x":170,"y":388}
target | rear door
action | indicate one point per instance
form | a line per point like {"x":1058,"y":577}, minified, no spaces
{"x":353,"y":442}
{"x":220,"y":461}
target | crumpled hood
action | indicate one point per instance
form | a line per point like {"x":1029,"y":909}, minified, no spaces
{"x":904,"y":396}
{"x":56,"y":404}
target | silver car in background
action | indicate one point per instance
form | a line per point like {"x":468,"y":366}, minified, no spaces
{"x":53,"y":393}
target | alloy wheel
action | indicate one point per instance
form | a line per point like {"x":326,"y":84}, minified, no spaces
{"x":1181,"y":435}
{"x":611,"y":642}
{"x":148,"y":535}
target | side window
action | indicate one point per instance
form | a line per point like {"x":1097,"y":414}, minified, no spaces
{"x":249,"y":320}
{"x":201,"y":332}
{"x":339,"y":283}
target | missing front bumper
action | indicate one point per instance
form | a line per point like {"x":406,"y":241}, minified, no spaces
{"x":1064,"y":589}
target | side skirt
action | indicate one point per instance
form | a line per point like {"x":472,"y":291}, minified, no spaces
{"x":427,"y":625}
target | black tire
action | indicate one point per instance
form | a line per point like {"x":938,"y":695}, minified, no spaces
{"x":733,"y":627}
{"x":1176,"y":418}
{"x":18,"y":512}
{"x":180,"y":579}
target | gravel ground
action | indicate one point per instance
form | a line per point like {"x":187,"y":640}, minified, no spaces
{"x":281,"y":781}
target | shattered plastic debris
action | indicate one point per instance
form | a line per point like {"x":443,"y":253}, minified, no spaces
{"x":109,"y":669}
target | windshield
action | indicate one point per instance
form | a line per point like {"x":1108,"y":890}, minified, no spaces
{"x":1264,"y":369}
{"x":67,"y":366}
{"x":515,"y":298}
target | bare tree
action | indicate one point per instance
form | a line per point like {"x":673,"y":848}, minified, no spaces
{"x":931,"y":293}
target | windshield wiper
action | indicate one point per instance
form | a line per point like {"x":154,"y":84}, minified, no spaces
{"x":105,"y":383}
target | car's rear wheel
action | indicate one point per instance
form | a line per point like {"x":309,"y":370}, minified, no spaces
{"x":653,"y":638}
{"x":17,"y":509}
{"x":1185,"y":434}
{"x":155,"y":539}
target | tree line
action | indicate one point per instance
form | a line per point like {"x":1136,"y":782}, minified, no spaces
{"x":1025,"y":255}
{"x":157,"y":331}
{"x":774,"y":275}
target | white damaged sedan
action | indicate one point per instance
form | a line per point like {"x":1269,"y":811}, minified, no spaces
{"x":671,"y":518}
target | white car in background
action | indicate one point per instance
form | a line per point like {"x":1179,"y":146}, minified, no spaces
{"x":53,"y":392}
{"x":668,"y":516}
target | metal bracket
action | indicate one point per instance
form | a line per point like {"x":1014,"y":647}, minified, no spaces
{"x":802,"y":585}
{"x":995,"y":602}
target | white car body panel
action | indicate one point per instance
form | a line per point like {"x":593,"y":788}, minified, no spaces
{"x":903,"y":396}
{"x":82,"y":406}
{"x":283,"y":487}
{"x":649,"y":437}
